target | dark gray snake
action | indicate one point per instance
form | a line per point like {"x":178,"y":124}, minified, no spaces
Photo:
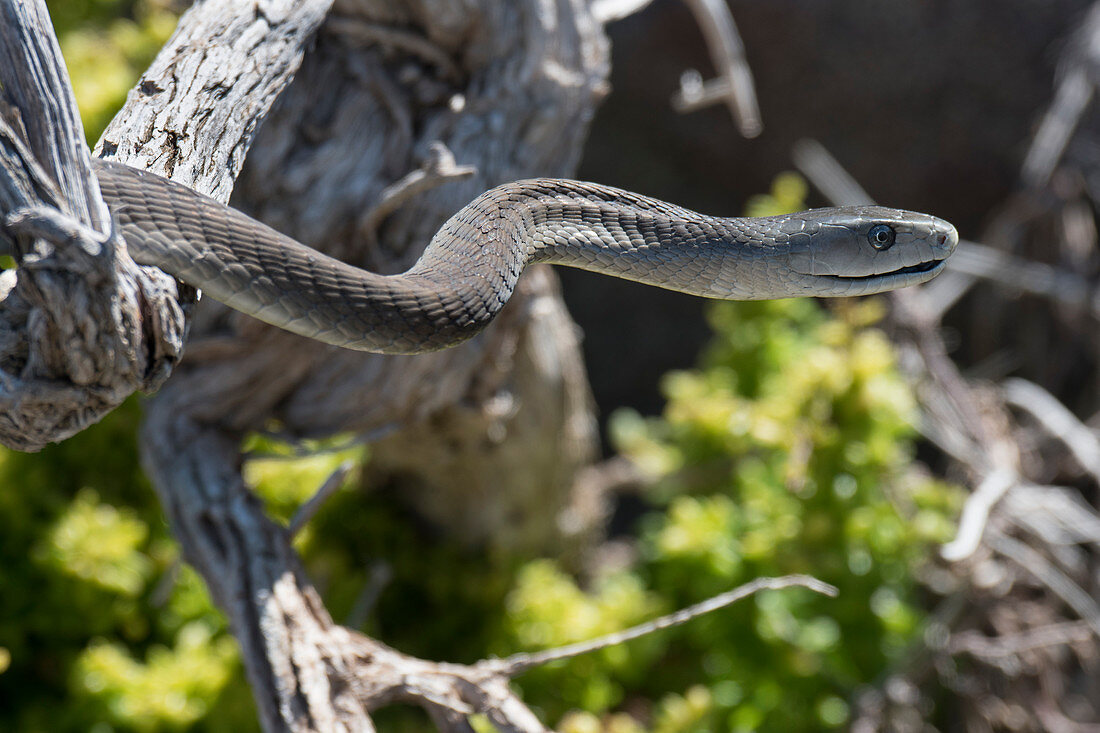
{"x":471,"y":266}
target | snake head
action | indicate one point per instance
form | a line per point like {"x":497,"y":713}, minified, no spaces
{"x":858,"y":250}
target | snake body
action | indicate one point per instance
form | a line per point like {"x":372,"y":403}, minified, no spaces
{"x":470,"y":268}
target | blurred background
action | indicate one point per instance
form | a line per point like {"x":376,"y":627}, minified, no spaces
{"x":843,"y":440}
{"x":929,"y":105}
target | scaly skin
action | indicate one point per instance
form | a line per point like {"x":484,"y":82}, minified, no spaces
{"x":471,"y":266}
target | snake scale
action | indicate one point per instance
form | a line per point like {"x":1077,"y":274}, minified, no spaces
{"x":471,"y":266}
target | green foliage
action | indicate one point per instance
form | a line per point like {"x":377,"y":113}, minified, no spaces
{"x":788,"y":194}
{"x":787,"y":451}
{"x":172,"y":687}
{"x":99,"y":544}
{"x":97,"y":626}
{"x":546,"y":609}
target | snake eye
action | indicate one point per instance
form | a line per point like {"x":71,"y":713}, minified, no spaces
{"x":881,"y":236}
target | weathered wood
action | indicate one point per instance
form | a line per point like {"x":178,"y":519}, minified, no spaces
{"x":509,"y":89}
{"x":510,"y":410}
{"x":81,"y":326}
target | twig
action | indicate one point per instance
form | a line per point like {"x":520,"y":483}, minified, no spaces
{"x":975,"y":514}
{"x":1029,"y":276}
{"x":734,"y":84}
{"x":519,"y":663}
{"x":1059,"y":515}
{"x":328,"y":488}
{"x":825,"y":172}
{"x":162,"y":591}
{"x":607,"y":11}
{"x":1073,"y":96}
{"x":1048,"y":575}
{"x":439,"y":168}
{"x":380,"y":576}
{"x":980,"y":645}
{"x":1058,"y":421}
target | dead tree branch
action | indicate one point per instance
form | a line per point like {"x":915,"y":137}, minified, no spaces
{"x":734,"y":84}
{"x":519,"y":663}
{"x":81,"y":326}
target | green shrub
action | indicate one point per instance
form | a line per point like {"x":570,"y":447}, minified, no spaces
{"x":98,"y":626}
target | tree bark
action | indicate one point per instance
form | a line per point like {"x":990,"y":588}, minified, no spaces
{"x":399,"y":113}
{"x":503,"y":422}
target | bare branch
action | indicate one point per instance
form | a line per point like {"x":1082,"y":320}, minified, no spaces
{"x":825,"y":172}
{"x":979,"y":645}
{"x":1057,"y":420}
{"x":439,"y":168}
{"x":607,"y":11}
{"x":242,"y":56}
{"x":380,"y":576}
{"x":328,"y":488}
{"x":519,"y":663}
{"x":734,"y":84}
{"x":1056,"y":514}
{"x":975,"y":514}
{"x":1074,"y":94}
{"x":1049,"y":576}
{"x":1028,"y":276}
{"x":82,"y":327}
{"x":1070,"y":101}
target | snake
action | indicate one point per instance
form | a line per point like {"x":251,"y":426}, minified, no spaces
{"x":470,"y":268}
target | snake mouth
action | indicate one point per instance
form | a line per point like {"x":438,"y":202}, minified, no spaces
{"x":931,"y":268}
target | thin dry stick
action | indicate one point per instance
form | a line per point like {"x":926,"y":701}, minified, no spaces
{"x":825,"y":172}
{"x":1048,"y":575}
{"x":1073,"y":96}
{"x":1018,"y":273}
{"x":1058,"y":515}
{"x":727,"y":52}
{"x":1057,"y":420}
{"x":519,"y":663}
{"x":979,"y":645}
{"x":975,"y":514}
{"x":439,"y":168}
{"x":1075,"y":91}
{"x":607,"y":11}
{"x":379,"y":577}
{"x":327,"y":489}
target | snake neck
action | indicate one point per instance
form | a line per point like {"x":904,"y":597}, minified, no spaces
{"x":600,"y":229}
{"x":472,"y":265}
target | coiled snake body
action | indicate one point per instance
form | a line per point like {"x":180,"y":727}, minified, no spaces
{"x":471,"y":266}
